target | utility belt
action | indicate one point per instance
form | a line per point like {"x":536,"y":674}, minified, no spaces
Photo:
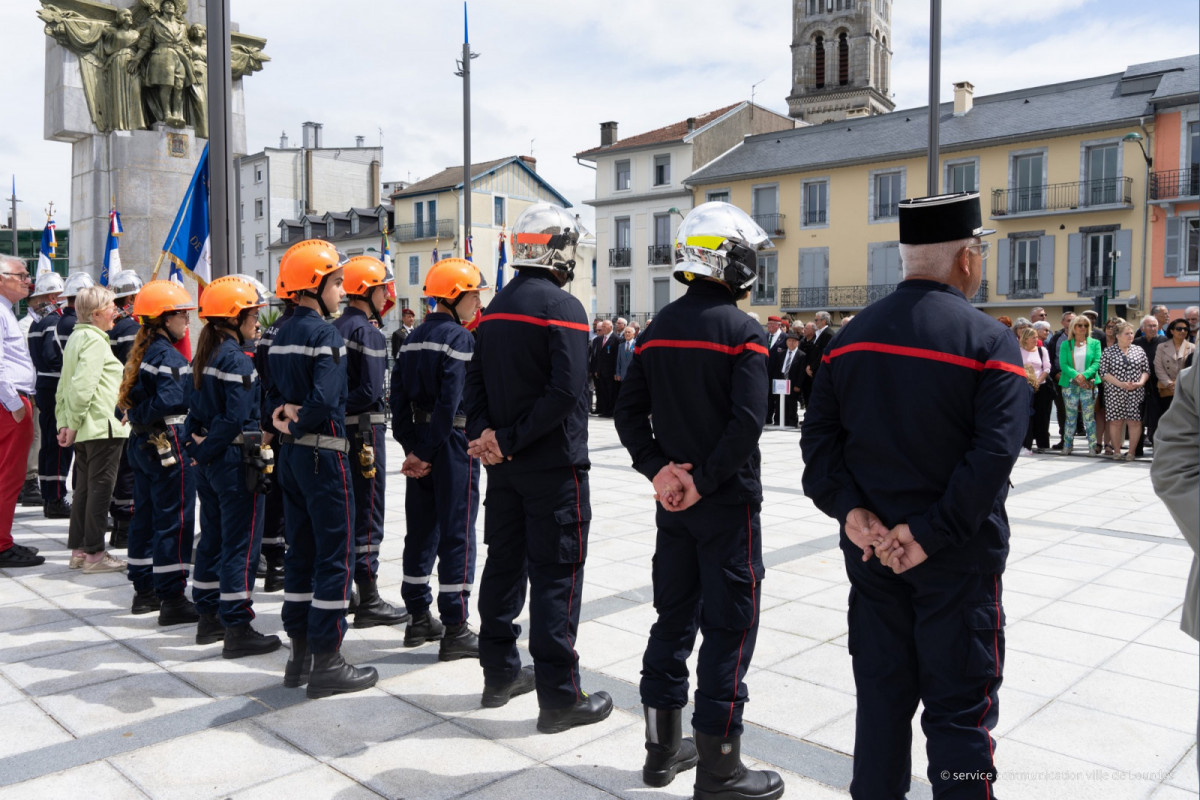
{"x":365,"y":420}
{"x":159,"y":426}
{"x":318,"y":442}
{"x":158,"y":441}
{"x":423,"y":417}
{"x":258,"y":462}
{"x":361,"y":430}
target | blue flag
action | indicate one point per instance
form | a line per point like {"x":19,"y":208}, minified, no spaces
{"x":187,"y":245}
{"x":112,"y":256}
{"x":47,"y":248}
{"x":500,"y":264}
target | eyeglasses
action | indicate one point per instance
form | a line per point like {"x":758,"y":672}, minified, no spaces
{"x":983,"y":247}
{"x":1180,"y":329}
{"x":21,"y":276}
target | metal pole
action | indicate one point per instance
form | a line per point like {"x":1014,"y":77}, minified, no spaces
{"x":466,"y":73}
{"x":14,"y":220}
{"x":220,"y":133}
{"x":935,"y":79}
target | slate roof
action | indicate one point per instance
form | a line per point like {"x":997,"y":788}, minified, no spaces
{"x":675,"y":132}
{"x":1053,"y":110}
{"x":451,"y":178}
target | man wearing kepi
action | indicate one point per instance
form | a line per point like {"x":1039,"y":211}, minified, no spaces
{"x":918,"y":485}
{"x":526,"y":407}
{"x":700,"y":371}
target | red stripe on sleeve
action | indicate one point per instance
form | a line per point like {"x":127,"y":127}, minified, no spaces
{"x":545,"y":323}
{"x":924,"y":353}
{"x":697,"y":344}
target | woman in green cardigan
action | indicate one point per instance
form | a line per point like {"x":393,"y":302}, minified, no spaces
{"x":86,"y":412}
{"x":1079,"y":360}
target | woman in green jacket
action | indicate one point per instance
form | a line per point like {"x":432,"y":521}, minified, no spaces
{"x":86,"y":412}
{"x":1079,"y":361}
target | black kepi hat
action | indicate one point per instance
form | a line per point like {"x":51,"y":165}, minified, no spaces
{"x":941,"y":218}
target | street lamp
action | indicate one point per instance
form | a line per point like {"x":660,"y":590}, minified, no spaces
{"x":1134,"y":136}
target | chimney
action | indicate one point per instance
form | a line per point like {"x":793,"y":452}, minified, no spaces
{"x":359,"y":141}
{"x":608,"y":133}
{"x":530,"y":162}
{"x":691,"y":125}
{"x":283,"y":140}
{"x":964,"y":94}
{"x":312,"y":135}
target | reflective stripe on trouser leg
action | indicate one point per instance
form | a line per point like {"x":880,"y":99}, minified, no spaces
{"x":163,"y":525}
{"x":54,"y":462}
{"x":206,"y":583}
{"x":241,"y":530}
{"x":369,"y":494}
{"x":456,"y":489}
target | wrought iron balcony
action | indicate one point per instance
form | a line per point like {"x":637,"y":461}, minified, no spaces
{"x":820,"y":298}
{"x":1024,"y":288}
{"x":1169,"y":184}
{"x":1097,"y":282}
{"x":815,"y":217}
{"x":620,"y":257}
{"x":773,"y":224}
{"x":430,"y":229}
{"x":658,"y":254}
{"x":887,"y":210}
{"x":1062,"y":196}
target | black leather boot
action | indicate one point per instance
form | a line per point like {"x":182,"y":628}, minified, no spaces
{"x":177,"y":610}
{"x":209,"y":629}
{"x":423,"y":628}
{"x":458,"y":641}
{"x":299,"y":665}
{"x":496,"y":696}
{"x":667,"y":752}
{"x":243,"y":640}
{"x":57,"y":509}
{"x":592,"y":708}
{"x":273,"y":580}
{"x":372,"y":610}
{"x":146,"y":602}
{"x":30,"y":495}
{"x":721,"y":775}
{"x":119,"y":538}
{"x":332,"y":675}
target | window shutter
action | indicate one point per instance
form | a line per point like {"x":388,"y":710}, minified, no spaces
{"x":1075,"y":262}
{"x":1046,"y":265}
{"x":823,"y":271}
{"x":1124,"y":241}
{"x":1174,"y":235}
{"x":1003,"y":266}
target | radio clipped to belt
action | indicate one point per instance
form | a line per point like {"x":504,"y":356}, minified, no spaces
{"x":259,"y":461}
{"x":366,"y":458}
{"x":162,"y":446}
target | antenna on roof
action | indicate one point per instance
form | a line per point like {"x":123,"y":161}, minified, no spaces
{"x":752,"y":88}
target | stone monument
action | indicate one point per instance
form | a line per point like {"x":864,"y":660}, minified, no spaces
{"x":126,"y":87}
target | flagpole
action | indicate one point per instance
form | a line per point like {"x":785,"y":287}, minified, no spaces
{"x":14,"y":202}
{"x":220,"y":132}
{"x":464,"y":67}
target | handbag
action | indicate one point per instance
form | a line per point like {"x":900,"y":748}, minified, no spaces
{"x":1166,"y":391}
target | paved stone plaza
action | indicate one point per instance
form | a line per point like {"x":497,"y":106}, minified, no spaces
{"x":1099,"y":698}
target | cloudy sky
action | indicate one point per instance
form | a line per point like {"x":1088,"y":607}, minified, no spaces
{"x":550,"y":72}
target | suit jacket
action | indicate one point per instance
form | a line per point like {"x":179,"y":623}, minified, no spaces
{"x":818,"y":348}
{"x":605,"y":356}
{"x":796,"y":373}
{"x":624,"y":356}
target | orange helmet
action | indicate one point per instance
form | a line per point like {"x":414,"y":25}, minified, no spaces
{"x":160,"y":297}
{"x":280,"y":292}
{"x":364,"y":273}
{"x":450,"y":277}
{"x":306,"y":264}
{"x":228,"y":297}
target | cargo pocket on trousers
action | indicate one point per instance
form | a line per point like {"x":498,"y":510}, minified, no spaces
{"x":572,"y":523}
{"x":985,"y":640}
{"x":738,"y":606}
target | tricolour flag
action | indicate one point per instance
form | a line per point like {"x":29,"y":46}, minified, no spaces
{"x":500,"y":262}
{"x":112,"y":256}
{"x":187,"y":245}
{"x":386,"y":250}
{"x":47,"y":247}
{"x":470,"y":248}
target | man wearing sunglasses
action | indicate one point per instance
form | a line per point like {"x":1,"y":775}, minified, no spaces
{"x":16,"y":420}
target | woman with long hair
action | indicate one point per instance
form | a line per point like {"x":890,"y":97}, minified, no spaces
{"x":1079,"y":362}
{"x":154,"y":395}
{"x":222,"y":427}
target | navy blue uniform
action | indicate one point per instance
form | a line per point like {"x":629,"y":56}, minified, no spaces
{"x":124,"y":332}
{"x":528,"y":382}
{"x":440,"y":509}
{"x":308,"y":368}
{"x":939,"y":460}
{"x":366,"y":373}
{"x":700,"y":369}
{"x":225,"y":407}
{"x":161,"y":531}
{"x":274,"y":538}
{"x":46,"y":352}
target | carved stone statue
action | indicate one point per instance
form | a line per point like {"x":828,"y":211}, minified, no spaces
{"x":123,"y":89}
{"x":167,"y":73}
{"x":198,"y":93}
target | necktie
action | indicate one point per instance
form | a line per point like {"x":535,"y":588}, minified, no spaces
{"x":787,"y":362}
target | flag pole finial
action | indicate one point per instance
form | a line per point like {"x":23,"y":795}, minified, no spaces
{"x":466,"y":38}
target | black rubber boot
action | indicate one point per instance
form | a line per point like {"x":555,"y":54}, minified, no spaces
{"x":423,"y":628}
{"x":119,"y":538}
{"x":30,"y":495}
{"x":458,"y":641}
{"x":273,"y":580}
{"x":146,"y":602}
{"x":299,"y":665}
{"x":57,"y":509}
{"x":496,"y":696}
{"x":353,"y":602}
{"x":332,"y":675}
{"x":592,"y":708}
{"x":177,"y":610}
{"x":721,"y":775}
{"x":372,"y":610}
{"x":209,"y":629}
{"x":243,"y":640}
{"x":667,"y":752}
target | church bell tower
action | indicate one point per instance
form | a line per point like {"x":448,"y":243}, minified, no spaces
{"x":841,"y":59}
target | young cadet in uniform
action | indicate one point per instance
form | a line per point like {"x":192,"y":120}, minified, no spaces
{"x":308,"y":373}
{"x":700,"y":370}
{"x":223,"y":427}
{"x":44,"y":301}
{"x":154,"y":395}
{"x":371,"y":290}
{"x":441,"y":496}
{"x":54,"y":462}
{"x":526,"y":406}
{"x":919,"y":481}
{"x":274,"y":539}
{"x":125,"y":286}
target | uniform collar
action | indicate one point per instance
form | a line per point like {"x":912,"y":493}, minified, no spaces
{"x":923,"y":285}
{"x":710,"y":289}
{"x":351,"y":311}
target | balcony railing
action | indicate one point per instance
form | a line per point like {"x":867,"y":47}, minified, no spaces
{"x":1024,"y":288}
{"x":1096,"y":281}
{"x":1062,"y":196}
{"x":657,"y":254}
{"x":887,"y":210}
{"x":1168,"y":184}
{"x":773,"y":224}
{"x":620,"y":257}
{"x":815,"y":217}
{"x":820,"y":298}
{"x":412,"y":231}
